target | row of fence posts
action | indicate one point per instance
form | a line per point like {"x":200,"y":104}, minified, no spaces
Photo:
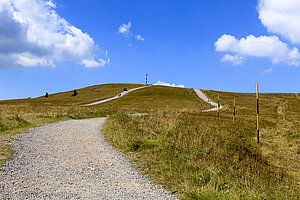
{"x":234,"y":110}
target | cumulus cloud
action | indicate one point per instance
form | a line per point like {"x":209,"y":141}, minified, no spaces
{"x":139,"y":37}
{"x":125,"y":29}
{"x":32,"y":33}
{"x":281,"y":17}
{"x":168,"y":84}
{"x":263,"y":46}
{"x":268,"y":71}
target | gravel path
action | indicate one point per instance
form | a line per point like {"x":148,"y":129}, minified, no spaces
{"x":116,"y":97}
{"x":71,"y":160}
{"x":202,"y":96}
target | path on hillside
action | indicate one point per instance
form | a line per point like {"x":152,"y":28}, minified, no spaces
{"x":116,"y":97}
{"x":72,"y":160}
{"x":202,"y":96}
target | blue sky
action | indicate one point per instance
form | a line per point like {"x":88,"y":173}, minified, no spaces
{"x":204,"y":44}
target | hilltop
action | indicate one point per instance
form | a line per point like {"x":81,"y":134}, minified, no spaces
{"x":195,"y":154}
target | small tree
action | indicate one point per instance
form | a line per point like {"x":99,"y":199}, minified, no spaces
{"x":75,"y":93}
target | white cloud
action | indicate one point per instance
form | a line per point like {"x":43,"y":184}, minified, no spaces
{"x":235,"y":59}
{"x":139,"y":37}
{"x":168,"y":84}
{"x":93,"y":63}
{"x":32,"y":33}
{"x":262,"y":46}
{"x":225,"y":43}
{"x":281,"y":17}
{"x":268,"y":71}
{"x":125,"y":29}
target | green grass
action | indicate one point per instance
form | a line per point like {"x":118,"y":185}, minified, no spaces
{"x":19,"y":114}
{"x":196,"y":155}
{"x":200,"y":156}
{"x":279,"y":121}
{"x":156,"y":98}
{"x":85,"y":95}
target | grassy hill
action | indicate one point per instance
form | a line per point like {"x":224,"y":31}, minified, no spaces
{"x":156,"y":98}
{"x":279,"y":122}
{"x":201,"y":156}
{"x":196,"y":155}
{"x":19,"y":114}
{"x":85,"y":95}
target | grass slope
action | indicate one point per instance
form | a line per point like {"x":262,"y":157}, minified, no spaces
{"x":156,"y":98}
{"x":279,"y":124}
{"x":85,"y":95}
{"x":19,"y":114}
{"x":201,"y":156}
{"x":195,"y":154}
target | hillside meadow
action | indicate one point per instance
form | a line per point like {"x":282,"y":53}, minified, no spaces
{"x":20,"y":114}
{"x":195,"y":154}
{"x":198,"y":155}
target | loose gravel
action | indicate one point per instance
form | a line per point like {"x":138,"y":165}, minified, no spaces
{"x":72,"y":160}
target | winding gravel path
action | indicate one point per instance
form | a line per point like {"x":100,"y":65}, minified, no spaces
{"x":72,"y":160}
{"x":115,"y":97}
{"x":202,"y":96}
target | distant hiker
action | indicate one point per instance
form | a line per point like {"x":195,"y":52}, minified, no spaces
{"x":46,"y":95}
{"x":125,"y":89}
{"x":92,"y":89}
{"x":75,"y":93}
{"x":119,"y":95}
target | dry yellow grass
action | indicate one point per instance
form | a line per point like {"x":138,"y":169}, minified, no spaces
{"x":85,"y":95}
{"x":195,"y":154}
{"x":279,"y":122}
{"x":201,"y":156}
{"x":17,"y":115}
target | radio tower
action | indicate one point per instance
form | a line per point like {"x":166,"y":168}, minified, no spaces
{"x":146,"y":79}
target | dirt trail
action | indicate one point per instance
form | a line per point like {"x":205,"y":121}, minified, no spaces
{"x":72,"y":160}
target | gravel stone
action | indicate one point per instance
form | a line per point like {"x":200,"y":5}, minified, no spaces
{"x":72,"y":160}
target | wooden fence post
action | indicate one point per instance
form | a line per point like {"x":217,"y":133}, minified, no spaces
{"x":257,"y":112}
{"x":218,"y":105}
{"x":233,"y":109}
